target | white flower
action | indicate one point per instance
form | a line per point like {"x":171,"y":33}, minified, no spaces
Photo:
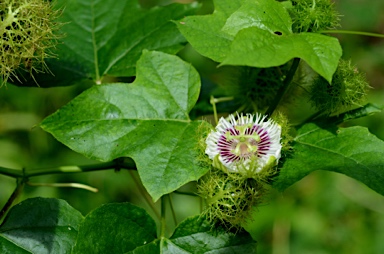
{"x":248,"y":143}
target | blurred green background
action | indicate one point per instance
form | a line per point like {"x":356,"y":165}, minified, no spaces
{"x":323,"y":213}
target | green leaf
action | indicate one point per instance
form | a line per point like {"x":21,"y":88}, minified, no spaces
{"x":195,"y":235}
{"x":146,"y":120}
{"x":366,"y":110}
{"x":153,"y":247}
{"x":40,"y":225}
{"x":268,"y":15}
{"x":115,"y":228}
{"x":261,"y":48}
{"x":204,"y":32}
{"x":264,"y":38}
{"x":107,"y":38}
{"x":258,"y":33}
{"x":351,"y":151}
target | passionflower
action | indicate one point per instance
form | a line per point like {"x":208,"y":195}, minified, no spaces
{"x":246,"y":144}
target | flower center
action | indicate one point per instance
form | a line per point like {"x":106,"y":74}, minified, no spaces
{"x":244,"y":143}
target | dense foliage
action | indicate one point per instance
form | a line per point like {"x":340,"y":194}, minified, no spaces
{"x":144,"y":109}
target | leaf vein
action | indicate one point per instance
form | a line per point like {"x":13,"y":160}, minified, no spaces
{"x":129,"y":49}
{"x":336,"y":153}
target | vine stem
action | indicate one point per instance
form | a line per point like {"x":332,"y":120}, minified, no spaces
{"x":144,"y":194}
{"x":16,"y":173}
{"x":12,"y":198}
{"x":213,"y":101}
{"x":70,"y":185}
{"x":186,"y":193}
{"x":351,"y":32}
{"x":162,"y":223}
{"x":172,"y":209}
{"x":22,"y":176}
{"x":284,"y":88}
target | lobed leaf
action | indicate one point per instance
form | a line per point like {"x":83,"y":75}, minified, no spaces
{"x":351,"y":151}
{"x":146,"y":120}
{"x":40,"y":225}
{"x":264,"y":14}
{"x":205,"y":33}
{"x":258,"y":33}
{"x":260,"y":48}
{"x":107,"y":37}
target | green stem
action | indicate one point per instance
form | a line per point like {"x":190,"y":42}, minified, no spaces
{"x":163,"y":210}
{"x":213,"y":101}
{"x":172,"y":209}
{"x":70,"y":185}
{"x":201,"y":204}
{"x":12,"y":198}
{"x":144,"y":194}
{"x":16,"y":173}
{"x":284,"y":88}
{"x":351,"y":32}
{"x":223,"y":99}
{"x":186,"y":193}
{"x":162,"y":224}
{"x":95,"y":48}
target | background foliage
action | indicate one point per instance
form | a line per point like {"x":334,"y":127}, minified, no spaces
{"x":323,"y":213}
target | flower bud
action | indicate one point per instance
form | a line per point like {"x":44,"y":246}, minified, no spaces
{"x":254,"y":89}
{"x":313,"y":15}
{"x":229,"y":197}
{"x":26,"y":29}
{"x":347,"y":89}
